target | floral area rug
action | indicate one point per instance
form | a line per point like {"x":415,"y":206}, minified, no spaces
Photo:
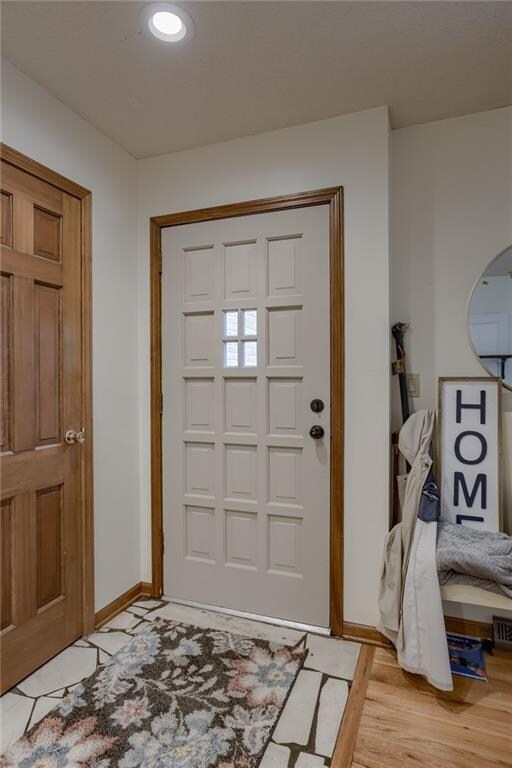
{"x":174,"y":696}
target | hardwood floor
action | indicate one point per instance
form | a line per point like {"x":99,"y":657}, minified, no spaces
{"x":407,"y":724}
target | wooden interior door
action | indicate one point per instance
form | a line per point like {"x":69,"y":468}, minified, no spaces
{"x":41,"y":398}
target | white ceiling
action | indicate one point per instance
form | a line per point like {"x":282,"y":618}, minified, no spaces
{"x":257,"y":66}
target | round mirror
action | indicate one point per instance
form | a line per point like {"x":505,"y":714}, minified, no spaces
{"x":490,"y":317}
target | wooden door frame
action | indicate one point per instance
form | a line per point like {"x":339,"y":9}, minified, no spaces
{"x":39,"y":171}
{"x":333,"y":197}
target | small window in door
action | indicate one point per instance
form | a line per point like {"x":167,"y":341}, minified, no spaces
{"x":240,"y":344}
{"x":250,"y":322}
{"x":231,"y":323}
{"x":250,"y":353}
{"x":231,"y":354}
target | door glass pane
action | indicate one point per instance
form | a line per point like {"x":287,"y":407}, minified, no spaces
{"x":231,"y":323}
{"x":250,"y":322}
{"x":250,"y":353}
{"x":230,"y":354}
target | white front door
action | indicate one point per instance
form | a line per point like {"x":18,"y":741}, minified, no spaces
{"x":245,"y":347}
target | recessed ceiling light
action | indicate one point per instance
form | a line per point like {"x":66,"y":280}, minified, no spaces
{"x":167,"y":22}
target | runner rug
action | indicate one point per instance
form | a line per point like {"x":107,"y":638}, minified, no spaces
{"x":175,"y":695}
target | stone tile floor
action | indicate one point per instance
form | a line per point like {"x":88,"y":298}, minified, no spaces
{"x":306,"y":732}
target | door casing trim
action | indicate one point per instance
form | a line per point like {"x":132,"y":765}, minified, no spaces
{"x":39,"y":171}
{"x":333,"y":197}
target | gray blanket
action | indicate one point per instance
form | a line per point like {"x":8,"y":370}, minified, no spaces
{"x":479,"y":558}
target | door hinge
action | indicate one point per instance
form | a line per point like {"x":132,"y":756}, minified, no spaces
{"x":161,"y":402}
{"x":162,"y":547}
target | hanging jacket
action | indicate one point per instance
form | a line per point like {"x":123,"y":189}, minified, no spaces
{"x":411,"y":610}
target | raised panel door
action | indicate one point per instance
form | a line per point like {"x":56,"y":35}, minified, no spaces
{"x":41,"y":396}
{"x":245,"y":344}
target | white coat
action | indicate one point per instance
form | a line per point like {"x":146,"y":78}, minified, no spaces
{"x":410,"y":597}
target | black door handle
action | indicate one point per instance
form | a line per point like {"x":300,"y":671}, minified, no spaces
{"x":317,"y":432}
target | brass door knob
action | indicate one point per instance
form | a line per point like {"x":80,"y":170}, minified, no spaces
{"x":73,"y":437}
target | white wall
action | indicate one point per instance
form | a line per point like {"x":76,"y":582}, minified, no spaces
{"x":40,"y":126}
{"x":351,"y":151}
{"x":451,"y":213}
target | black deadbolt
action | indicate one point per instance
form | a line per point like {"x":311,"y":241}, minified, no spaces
{"x":316,"y":432}
{"x":317,"y":405}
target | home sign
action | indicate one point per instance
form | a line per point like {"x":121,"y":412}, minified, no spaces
{"x":470,"y":451}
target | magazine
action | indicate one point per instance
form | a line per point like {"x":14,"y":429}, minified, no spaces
{"x":466,"y":656}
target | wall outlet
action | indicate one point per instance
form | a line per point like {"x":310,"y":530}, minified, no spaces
{"x":413,"y":384}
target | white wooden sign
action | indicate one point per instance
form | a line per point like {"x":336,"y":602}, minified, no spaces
{"x":470,"y":434}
